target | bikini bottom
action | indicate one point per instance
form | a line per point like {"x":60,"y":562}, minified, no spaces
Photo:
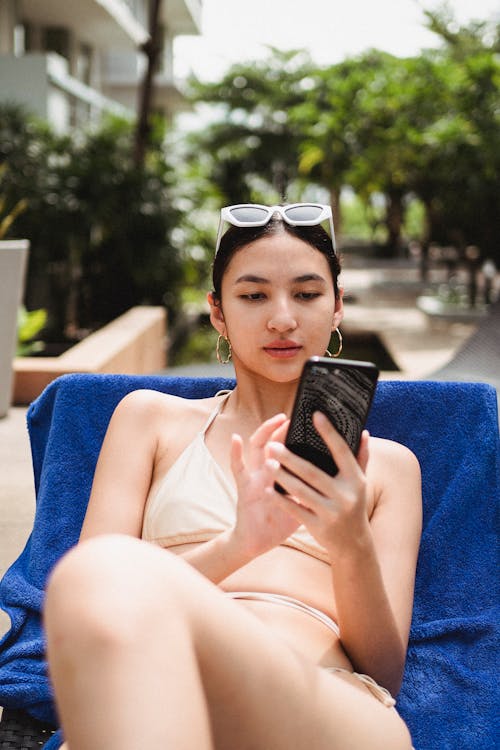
{"x":287,"y":601}
{"x":381,"y":693}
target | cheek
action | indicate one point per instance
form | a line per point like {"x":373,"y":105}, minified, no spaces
{"x":328,"y":308}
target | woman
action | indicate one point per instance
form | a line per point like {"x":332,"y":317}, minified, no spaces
{"x":255,"y":617}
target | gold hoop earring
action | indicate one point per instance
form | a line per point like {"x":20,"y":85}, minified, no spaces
{"x":329,"y":354}
{"x":220,"y":359}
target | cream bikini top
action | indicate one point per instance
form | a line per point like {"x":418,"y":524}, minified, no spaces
{"x":195,"y":501}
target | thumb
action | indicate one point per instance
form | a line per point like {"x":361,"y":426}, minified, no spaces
{"x":363,"y":452}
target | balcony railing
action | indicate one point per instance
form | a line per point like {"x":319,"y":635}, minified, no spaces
{"x":59,"y":77}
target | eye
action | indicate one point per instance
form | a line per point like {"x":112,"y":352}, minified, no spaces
{"x":306,"y":296}
{"x":253,"y":296}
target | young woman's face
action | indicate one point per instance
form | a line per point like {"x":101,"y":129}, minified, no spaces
{"x":278,"y":306}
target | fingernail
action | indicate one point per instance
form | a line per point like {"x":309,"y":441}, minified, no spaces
{"x":275,"y":447}
{"x":273,"y":464}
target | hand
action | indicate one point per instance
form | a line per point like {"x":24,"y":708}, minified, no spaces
{"x":261,"y":521}
{"x":333,"y":509}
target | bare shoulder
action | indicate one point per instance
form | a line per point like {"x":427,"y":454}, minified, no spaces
{"x":164,"y":414}
{"x":144,"y":402}
{"x":393,"y":455}
{"x":394,"y":471}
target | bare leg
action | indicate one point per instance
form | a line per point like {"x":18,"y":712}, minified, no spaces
{"x":150,"y":654}
{"x":111,"y":634}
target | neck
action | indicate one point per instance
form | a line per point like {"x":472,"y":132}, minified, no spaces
{"x":257,"y":399}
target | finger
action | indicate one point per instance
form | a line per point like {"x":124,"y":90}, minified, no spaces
{"x":342,"y":454}
{"x":237,"y":462}
{"x":299,"y":511}
{"x":292,"y":507}
{"x":271,"y":466}
{"x":309,"y":497}
{"x":364,"y":453}
{"x":266,"y":429}
{"x":279,"y":434}
{"x":305,"y":472}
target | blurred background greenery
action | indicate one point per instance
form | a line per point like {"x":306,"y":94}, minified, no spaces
{"x":407,"y":150}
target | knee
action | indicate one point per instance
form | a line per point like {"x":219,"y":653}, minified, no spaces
{"x":108,"y":589}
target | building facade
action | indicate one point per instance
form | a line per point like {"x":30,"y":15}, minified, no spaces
{"x":70,"y":61}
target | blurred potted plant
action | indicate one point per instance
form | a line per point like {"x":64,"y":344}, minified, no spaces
{"x":13,"y":257}
{"x":29,"y":325}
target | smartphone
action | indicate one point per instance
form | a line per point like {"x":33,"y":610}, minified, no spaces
{"x":343,"y":390}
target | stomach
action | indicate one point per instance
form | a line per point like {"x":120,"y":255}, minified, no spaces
{"x":290,"y":572}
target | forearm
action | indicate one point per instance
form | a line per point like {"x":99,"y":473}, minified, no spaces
{"x":219,"y":557}
{"x":368,"y":628}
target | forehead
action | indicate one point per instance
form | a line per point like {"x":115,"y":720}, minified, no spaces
{"x":278,"y":255}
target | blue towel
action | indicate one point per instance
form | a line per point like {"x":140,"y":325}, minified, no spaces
{"x":449,"y":694}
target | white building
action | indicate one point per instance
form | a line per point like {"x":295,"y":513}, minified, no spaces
{"x":68,"y":61}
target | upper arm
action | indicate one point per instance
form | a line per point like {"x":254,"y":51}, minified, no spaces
{"x":396,"y":526}
{"x":124,"y":469}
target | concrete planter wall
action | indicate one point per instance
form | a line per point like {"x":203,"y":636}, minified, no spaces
{"x":13,"y":259}
{"x":134,"y":343}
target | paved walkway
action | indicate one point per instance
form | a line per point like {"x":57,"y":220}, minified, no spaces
{"x":383,"y":301}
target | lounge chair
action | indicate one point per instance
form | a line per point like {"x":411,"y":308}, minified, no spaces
{"x":449,"y":696}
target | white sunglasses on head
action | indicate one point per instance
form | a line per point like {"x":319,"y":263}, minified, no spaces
{"x":295,"y":214}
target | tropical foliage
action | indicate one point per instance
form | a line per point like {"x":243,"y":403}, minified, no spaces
{"x":416,"y":141}
{"x":425,"y":127}
{"x":100,"y":228}
{"x":29,"y":326}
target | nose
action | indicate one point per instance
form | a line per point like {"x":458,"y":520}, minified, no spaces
{"x":282,"y":318}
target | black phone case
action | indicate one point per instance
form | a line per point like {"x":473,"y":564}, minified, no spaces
{"x":341,"y":389}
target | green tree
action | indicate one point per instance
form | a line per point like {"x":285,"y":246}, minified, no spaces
{"x":353,"y":128}
{"x":391,"y":109}
{"x":424,"y":126}
{"x":459,"y":158}
{"x":253,"y":144}
{"x":31,"y":154}
{"x":326,"y":126}
{"x":100,"y":229}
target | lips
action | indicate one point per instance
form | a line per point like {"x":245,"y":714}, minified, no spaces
{"x":282,"y":349}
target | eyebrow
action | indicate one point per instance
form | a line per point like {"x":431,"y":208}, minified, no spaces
{"x":297,"y":280}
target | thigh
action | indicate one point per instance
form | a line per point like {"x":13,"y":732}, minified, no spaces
{"x":260,"y":693}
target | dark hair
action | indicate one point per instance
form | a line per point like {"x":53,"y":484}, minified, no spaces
{"x":238,"y":237}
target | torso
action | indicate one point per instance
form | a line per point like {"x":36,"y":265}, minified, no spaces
{"x":282,"y":570}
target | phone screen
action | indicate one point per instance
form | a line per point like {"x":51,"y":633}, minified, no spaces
{"x":343,"y":391}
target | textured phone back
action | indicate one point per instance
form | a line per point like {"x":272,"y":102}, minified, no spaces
{"x":343,"y":395}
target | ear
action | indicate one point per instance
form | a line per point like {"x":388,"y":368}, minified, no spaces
{"x":338,"y":314}
{"x":216,"y":315}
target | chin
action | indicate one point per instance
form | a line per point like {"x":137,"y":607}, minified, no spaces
{"x":286,"y":373}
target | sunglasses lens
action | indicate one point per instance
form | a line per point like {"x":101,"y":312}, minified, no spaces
{"x":303,"y":213}
{"x":249,"y":214}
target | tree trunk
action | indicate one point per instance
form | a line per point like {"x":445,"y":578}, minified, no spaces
{"x":337,"y":217}
{"x":432,"y":230}
{"x":394,"y":222}
{"x":152,"y":50}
